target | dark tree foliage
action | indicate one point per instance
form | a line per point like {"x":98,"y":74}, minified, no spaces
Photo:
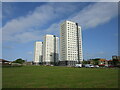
{"x":21,"y":61}
{"x":116,"y":62}
{"x":86,"y":62}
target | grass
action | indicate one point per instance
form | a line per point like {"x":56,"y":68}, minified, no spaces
{"x":59,"y":77}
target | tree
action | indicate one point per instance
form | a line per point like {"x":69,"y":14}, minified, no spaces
{"x":86,"y":62}
{"x":115,"y":61}
{"x":95,"y":61}
{"x":21,"y":61}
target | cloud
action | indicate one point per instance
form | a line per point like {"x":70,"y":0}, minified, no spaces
{"x":21,"y":28}
{"x":0,"y":43}
{"x":8,"y":47}
{"x":99,"y":54}
{"x":0,"y":14}
{"x":116,"y":34}
{"x":0,"y":30}
{"x":96,"y":14}
{"x":53,"y":29}
{"x":30,"y":53}
{"x":29,"y":28}
{"x":31,"y":20}
{"x":91,"y":16}
{"x":7,"y":10}
{"x":60,"y":1}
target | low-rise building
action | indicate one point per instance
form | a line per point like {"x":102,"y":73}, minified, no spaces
{"x":102,"y":62}
{"x":110,"y":62}
{"x":115,"y":57}
{"x":4,"y":62}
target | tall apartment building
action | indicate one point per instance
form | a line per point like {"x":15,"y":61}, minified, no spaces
{"x":70,"y":43}
{"x":50,"y":50}
{"x":38,"y":53}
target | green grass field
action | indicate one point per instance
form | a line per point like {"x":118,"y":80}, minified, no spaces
{"x":59,"y":77}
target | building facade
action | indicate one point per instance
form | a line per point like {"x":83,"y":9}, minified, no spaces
{"x":38,"y":53}
{"x":50,"y":50}
{"x":103,"y":62}
{"x":70,"y":43}
{"x":115,"y":57}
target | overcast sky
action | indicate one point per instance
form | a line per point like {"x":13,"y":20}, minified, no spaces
{"x":24,"y":23}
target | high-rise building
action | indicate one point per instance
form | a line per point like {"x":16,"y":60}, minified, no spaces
{"x":38,"y":53}
{"x":70,"y":43}
{"x":50,"y":50}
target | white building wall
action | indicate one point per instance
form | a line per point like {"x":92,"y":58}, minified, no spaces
{"x":80,"y":45}
{"x":38,"y":52}
{"x":50,"y":47}
{"x":57,"y":49}
{"x":69,"y":42}
{"x":63,"y":42}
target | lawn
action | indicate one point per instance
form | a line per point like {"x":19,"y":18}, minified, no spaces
{"x":59,"y":77}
